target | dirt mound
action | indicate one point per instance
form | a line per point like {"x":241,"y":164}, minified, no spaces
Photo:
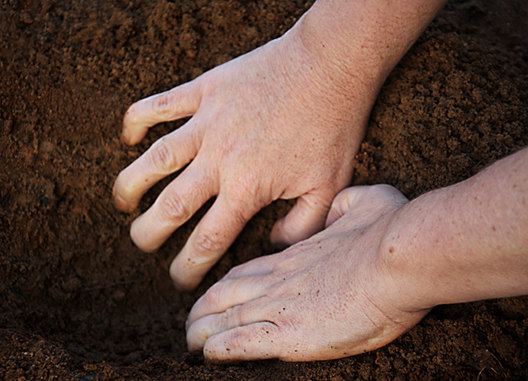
{"x":78,"y":300}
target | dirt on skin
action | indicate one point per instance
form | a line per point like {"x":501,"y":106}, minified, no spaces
{"x":79,"y":301}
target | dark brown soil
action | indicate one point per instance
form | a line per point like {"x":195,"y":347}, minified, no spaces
{"x":79,"y":301}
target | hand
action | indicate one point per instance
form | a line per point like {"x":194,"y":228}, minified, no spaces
{"x":327,"y":297}
{"x":278,"y":122}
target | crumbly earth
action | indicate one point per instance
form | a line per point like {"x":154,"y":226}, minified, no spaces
{"x":79,"y":301}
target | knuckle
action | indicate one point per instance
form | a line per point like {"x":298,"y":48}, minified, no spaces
{"x":208,"y":243}
{"x":207,"y":83}
{"x":180,"y":277}
{"x":288,"y":262}
{"x":173,"y":208}
{"x":232,"y":317}
{"x":125,"y":193}
{"x":287,"y":231}
{"x":244,"y":195}
{"x":132,"y":113}
{"x":234,"y":339}
{"x":390,"y":195}
{"x":246,"y":186}
{"x":161,"y":156}
{"x":233,"y":271}
{"x":162,"y":105}
{"x":241,"y":215}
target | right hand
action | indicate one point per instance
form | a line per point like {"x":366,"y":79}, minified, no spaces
{"x":280,"y":122}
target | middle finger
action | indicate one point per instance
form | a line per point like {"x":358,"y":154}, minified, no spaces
{"x":228,"y":293}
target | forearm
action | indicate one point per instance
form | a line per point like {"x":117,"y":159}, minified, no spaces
{"x":464,"y":242}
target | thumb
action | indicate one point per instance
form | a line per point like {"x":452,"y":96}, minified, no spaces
{"x":306,"y":218}
{"x":341,"y":204}
{"x":364,"y":201}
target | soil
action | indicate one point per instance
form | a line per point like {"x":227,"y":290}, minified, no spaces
{"x":79,"y":301}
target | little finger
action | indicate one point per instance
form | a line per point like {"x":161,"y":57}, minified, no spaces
{"x":173,"y":104}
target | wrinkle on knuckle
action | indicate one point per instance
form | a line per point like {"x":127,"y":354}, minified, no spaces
{"x":236,"y":316}
{"x":161,"y":105}
{"x":161,"y":156}
{"x":173,"y":208}
{"x":244,"y":196}
{"x":226,"y":319}
{"x":241,"y":215}
{"x":237,"y":339}
{"x":207,"y":244}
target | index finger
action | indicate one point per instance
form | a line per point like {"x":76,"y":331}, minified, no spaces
{"x":179,"y":102}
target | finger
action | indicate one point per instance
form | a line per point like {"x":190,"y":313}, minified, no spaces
{"x":173,"y":207}
{"x":342,"y":203}
{"x":243,"y":314}
{"x":234,"y":287}
{"x":261,"y":340}
{"x":363,"y":201}
{"x":210,"y":239}
{"x":165,"y":156}
{"x":226,"y":294}
{"x":176,"y":103}
{"x":257,"y":266}
{"x":306,"y":218}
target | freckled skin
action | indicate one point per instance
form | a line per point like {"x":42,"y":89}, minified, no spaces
{"x":281,"y":122}
{"x":333,"y":279}
{"x":382,"y":263}
{"x":368,"y":285}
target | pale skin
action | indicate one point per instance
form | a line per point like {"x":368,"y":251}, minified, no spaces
{"x":259,"y":122}
{"x":281,"y":122}
{"x":374,"y":273}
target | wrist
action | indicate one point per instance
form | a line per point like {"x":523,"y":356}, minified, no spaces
{"x":362,"y":41}
{"x":397,"y":258}
{"x":421,"y":252}
{"x":461,"y":243}
{"x":334,"y":59}
{"x":424,"y":254}
{"x":345,"y":92}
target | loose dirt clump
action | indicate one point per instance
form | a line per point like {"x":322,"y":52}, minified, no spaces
{"x":79,"y":301}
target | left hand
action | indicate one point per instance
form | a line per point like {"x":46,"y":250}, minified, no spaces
{"x":328,"y":297}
